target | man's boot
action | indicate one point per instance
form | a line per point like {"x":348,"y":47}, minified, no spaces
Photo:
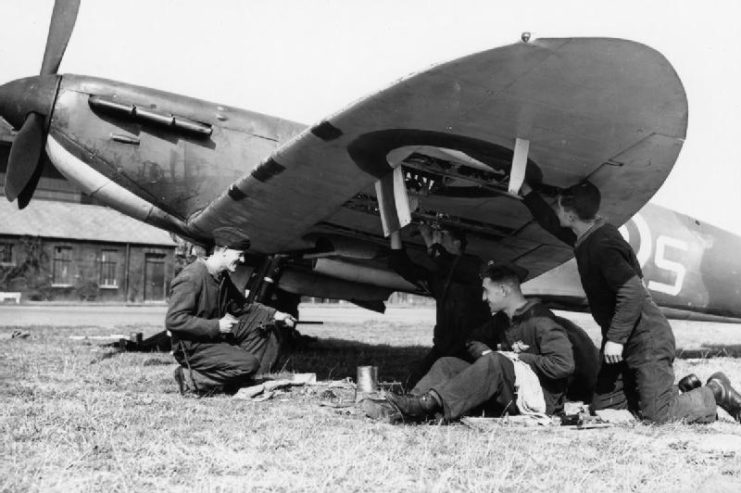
{"x":416,"y":407}
{"x":381,"y":410}
{"x":689,"y":382}
{"x":726,"y":397}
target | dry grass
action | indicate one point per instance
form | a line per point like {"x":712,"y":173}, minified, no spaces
{"x":72,"y":419}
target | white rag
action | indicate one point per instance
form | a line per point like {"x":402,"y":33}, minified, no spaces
{"x":530,"y":398}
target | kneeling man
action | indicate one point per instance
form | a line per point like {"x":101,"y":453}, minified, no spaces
{"x":220,"y":340}
{"x":453,"y":387}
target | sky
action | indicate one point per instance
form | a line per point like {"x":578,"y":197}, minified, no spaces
{"x":303,"y":60}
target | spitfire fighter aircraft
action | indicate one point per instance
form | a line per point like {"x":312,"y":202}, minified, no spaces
{"x":449,"y":146}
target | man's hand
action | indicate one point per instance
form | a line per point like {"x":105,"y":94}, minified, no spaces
{"x":226,"y":322}
{"x":285,"y":319}
{"x":613,"y":352}
{"x":476,"y":349}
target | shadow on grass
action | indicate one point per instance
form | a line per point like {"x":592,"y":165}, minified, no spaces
{"x":711,"y":351}
{"x":329,"y":358}
{"x":335,"y":359}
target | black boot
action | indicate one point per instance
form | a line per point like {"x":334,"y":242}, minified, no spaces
{"x":416,"y":407}
{"x":689,"y":382}
{"x":726,"y":396}
{"x":381,"y":410}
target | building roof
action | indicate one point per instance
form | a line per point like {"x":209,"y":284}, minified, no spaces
{"x":73,"y":221}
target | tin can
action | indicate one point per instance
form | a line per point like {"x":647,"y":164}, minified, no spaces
{"x":367,"y":380}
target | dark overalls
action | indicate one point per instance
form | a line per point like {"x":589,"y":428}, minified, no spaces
{"x":218,"y":362}
{"x":612,"y":280}
{"x":455,"y":284}
{"x":488,"y":384}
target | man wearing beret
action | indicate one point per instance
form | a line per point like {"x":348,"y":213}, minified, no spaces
{"x":219,"y":340}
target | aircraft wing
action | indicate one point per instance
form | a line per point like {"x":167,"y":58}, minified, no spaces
{"x":610,"y":110}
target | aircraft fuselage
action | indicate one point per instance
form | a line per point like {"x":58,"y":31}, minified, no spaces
{"x":173,"y":152}
{"x":162,"y":157}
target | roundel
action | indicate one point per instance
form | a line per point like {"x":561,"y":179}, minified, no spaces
{"x":640,"y":240}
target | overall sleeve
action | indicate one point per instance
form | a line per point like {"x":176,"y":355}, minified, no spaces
{"x":464,"y":269}
{"x":556,"y":357}
{"x":629,"y":292}
{"x":447,"y":270}
{"x":547,"y":218}
{"x":400,"y":262}
{"x":180,"y":318}
{"x":628,"y":309}
{"x":443,"y":259}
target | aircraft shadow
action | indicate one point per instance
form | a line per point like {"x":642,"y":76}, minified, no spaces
{"x":711,"y":351}
{"x":336,"y":359}
{"x":329,"y":358}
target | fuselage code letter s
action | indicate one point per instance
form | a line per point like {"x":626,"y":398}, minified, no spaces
{"x":664,"y":244}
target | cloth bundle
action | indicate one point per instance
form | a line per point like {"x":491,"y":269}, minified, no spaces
{"x":530,"y":399}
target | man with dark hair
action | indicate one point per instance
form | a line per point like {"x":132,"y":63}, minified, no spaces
{"x":454,"y":387}
{"x":453,"y":282}
{"x":219,"y":340}
{"x":638,"y":343}
{"x":583,"y":199}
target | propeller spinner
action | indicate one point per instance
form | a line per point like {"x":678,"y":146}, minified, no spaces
{"x":27,"y":104}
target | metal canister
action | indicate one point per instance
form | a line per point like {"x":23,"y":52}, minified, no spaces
{"x":367,"y":380}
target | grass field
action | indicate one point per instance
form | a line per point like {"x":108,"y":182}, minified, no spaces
{"x":77,"y":417}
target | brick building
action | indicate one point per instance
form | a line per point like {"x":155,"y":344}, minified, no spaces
{"x":55,"y":250}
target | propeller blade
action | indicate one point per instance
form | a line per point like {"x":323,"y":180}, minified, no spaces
{"x":25,"y":196}
{"x":60,"y":29}
{"x":24,"y":156}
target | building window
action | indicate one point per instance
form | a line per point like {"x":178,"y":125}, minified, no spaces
{"x":62,"y":267}
{"x":108,"y":264}
{"x":6,"y":254}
